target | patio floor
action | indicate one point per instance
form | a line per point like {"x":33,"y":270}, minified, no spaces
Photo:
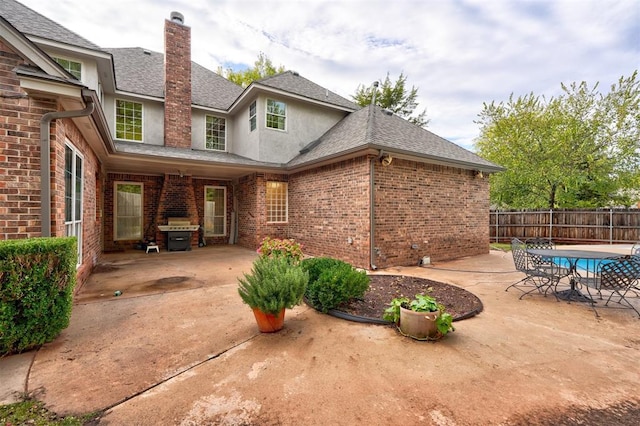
{"x":179,"y":347}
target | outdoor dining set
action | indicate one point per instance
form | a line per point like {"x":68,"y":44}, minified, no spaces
{"x":598,"y":278}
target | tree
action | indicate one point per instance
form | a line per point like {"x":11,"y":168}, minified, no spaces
{"x":263,"y":67}
{"x":393,"y":97}
{"x":580,"y":149}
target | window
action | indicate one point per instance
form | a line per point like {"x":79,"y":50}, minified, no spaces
{"x":73,"y":163}
{"x":215,"y":209}
{"x":215,"y":133}
{"x":277,"y":202}
{"x":128,"y":211}
{"x":276,"y":114}
{"x":128,"y":120}
{"x":72,"y":67}
{"x":252,"y":116}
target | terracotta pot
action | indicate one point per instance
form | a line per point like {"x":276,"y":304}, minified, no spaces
{"x":419,"y":325}
{"x":268,"y":323}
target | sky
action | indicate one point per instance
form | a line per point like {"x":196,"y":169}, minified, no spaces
{"x":459,"y":54}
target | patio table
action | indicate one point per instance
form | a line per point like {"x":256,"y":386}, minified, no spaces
{"x":572,"y":257}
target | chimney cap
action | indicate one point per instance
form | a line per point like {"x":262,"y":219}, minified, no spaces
{"x":177,"y":17}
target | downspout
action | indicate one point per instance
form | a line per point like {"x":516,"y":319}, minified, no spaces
{"x":372,"y":222}
{"x":45,"y":160}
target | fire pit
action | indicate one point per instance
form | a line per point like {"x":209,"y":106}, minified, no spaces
{"x":178,"y":231}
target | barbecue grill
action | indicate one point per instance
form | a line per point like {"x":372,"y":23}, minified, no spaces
{"x":178,"y":231}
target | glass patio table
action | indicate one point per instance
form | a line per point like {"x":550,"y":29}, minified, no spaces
{"x":586,"y":261}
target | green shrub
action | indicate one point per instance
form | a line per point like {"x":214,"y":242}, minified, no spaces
{"x":332,"y":282}
{"x":37,"y":278}
{"x":273,"y":284}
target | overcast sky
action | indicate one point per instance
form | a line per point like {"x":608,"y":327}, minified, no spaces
{"x":458,"y":54}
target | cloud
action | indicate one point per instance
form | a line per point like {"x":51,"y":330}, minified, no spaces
{"x":458,"y":54}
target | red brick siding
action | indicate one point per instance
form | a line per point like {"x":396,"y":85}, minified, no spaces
{"x":329,"y":205}
{"x":20,"y":183}
{"x":442,"y":210}
{"x":177,"y":107}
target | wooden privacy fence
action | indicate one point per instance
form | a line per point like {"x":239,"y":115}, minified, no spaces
{"x":596,"y":226}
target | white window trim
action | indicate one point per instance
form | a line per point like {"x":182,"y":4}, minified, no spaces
{"x":266,"y":113}
{"x":254,"y":116}
{"x":224,"y":223}
{"x":286,"y":203}
{"x":225,"y":133}
{"x":115,"y":209}
{"x":115,"y":120}
{"x":76,"y":224}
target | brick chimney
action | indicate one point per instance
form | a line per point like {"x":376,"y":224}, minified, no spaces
{"x":177,"y":82}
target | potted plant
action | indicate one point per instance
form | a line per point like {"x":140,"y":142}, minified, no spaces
{"x":422,"y":318}
{"x":276,"y":282}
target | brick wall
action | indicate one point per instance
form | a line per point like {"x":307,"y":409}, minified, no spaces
{"x":177,"y":106}
{"x":329,"y":211}
{"x":19,"y":153}
{"x":20,"y":183}
{"x":444,"y":211}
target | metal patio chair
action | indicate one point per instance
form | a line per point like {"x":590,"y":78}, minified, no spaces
{"x":621,"y":277}
{"x":545,"y":263}
{"x":539,"y":275}
{"x":635,"y":250}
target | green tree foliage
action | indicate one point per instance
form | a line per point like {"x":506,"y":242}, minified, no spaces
{"x":262,"y":67}
{"x":395,"y":97}
{"x":579,"y":149}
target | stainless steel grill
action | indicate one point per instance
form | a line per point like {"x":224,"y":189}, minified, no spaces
{"x":178,"y":231}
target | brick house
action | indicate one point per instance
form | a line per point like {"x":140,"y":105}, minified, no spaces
{"x":109,"y":144}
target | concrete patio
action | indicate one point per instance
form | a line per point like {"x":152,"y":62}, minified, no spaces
{"x":179,"y":347}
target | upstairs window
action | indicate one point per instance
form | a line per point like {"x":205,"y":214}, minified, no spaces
{"x":72,"y":67}
{"x":215,"y":133}
{"x":276,"y":114}
{"x":252,"y":116}
{"x":128,"y":120}
{"x":277,"y":202}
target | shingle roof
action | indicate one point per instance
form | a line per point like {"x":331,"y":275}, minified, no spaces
{"x":29,"y":22}
{"x":379,"y":129}
{"x":293,"y":82}
{"x":141,"y":71}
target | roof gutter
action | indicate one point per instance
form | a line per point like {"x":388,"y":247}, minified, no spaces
{"x":45,"y":160}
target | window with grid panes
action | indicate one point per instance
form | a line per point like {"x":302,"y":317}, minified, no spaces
{"x":128,"y":120}
{"x":72,"y":67}
{"x":277,"y":202}
{"x":276,"y":114}
{"x":215,"y":133}
{"x":252,"y":116}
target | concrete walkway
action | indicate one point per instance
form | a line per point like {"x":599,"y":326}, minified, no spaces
{"x":179,"y":347}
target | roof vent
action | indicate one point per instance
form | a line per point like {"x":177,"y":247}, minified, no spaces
{"x":146,"y":52}
{"x":177,"y":17}
{"x":387,"y":112}
{"x":295,"y":73}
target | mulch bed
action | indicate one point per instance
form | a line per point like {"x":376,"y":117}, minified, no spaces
{"x":459,"y":302}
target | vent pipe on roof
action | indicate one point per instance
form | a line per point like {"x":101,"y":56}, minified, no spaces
{"x":177,"y":17}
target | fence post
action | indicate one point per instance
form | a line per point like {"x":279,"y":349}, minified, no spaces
{"x":550,"y":223}
{"x":610,"y":226}
{"x":497,"y":227}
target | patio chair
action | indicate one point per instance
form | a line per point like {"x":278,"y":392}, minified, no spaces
{"x":545,"y":263}
{"x":620,"y":276}
{"x":536,"y":278}
{"x":635,"y":250}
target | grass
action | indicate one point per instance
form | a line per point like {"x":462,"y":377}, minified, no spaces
{"x":500,"y":246}
{"x":33,"y":412}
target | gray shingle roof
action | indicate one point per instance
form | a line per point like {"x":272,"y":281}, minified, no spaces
{"x":293,"y":82}
{"x":141,"y":71}
{"x":29,"y":22}
{"x":380,"y":129}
